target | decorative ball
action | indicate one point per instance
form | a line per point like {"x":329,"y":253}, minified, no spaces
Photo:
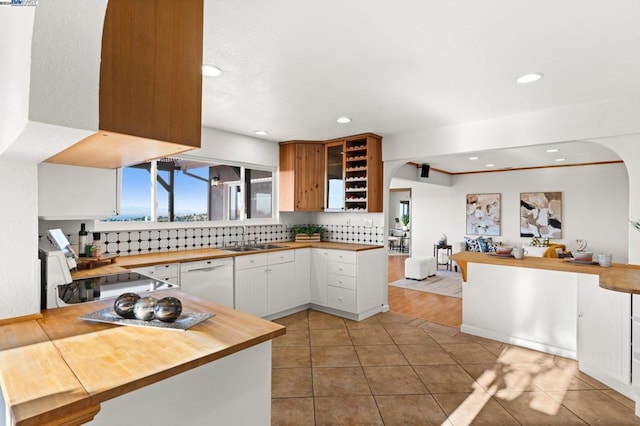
{"x":168,"y":309}
{"x":124,"y":305}
{"x":144,"y":309}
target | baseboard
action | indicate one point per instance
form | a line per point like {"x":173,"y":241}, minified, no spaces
{"x":525,"y":343}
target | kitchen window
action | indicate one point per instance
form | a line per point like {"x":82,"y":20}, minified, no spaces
{"x":188,"y":190}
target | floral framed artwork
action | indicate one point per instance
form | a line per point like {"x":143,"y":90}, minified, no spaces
{"x":483,"y":214}
{"x":541,"y":214}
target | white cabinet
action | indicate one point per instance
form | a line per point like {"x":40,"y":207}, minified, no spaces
{"x":270,"y":283}
{"x":319,"y":275}
{"x":280,"y":281}
{"x":73,"y":192}
{"x":302,"y":274}
{"x":350,"y":281}
{"x":165,"y":272}
{"x":604,"y":334}
{"x":251,"y":284}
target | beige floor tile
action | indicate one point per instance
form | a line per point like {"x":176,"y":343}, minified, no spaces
{"x":595,"y":407}
{"x":445,"y":378}
{"x":537,"y":408}
{"x":469,"y":353}
{"x":291,"y":382}
{"x":290,"y":356}
{"x":377,"y":355}
{"x":409,"y":410}
{"x":629,"y":403}
{"x":334,"y":356}
{"x":293,"y":338}
{"x":366,"y":323}
{"x":409,"y":336}
{"x":476,"y":408}
{"x":395,"y":320}
{"x":347,"y":411}
{"x":370,"y":336}
{"x":425,"y":355}
{"x":331,"y":337}
{"x":292,"y":412}
{"x":322,"y":321}
{"x":298,"y":321}
{"x":416,"y":322}
{"x":517,"y":355}
{"x":394,"y":380}
{"x":439,"y":328}
{"x":499,"y":378}
{"x":340,"y":381}
{"x":555,"y":378}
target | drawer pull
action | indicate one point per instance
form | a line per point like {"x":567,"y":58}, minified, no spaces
{"x":340,"y":299}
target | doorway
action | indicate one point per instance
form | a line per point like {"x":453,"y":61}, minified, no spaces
{"x":399,"y":238}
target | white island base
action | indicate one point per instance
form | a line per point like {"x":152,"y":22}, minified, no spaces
{"x":233,"y":390}
{"x":556,"y":312}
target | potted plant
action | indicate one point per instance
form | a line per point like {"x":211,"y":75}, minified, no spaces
{"x":405,"y":220}
{"x":306,"y":233}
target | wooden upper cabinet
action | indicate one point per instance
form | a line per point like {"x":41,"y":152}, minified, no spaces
{"x":150,"y":96}
{"x":301,"y":176}
{"x":362,"y":171}
{"x":151,"y":69}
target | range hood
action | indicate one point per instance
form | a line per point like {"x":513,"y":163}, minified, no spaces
{"x":150,"y":85}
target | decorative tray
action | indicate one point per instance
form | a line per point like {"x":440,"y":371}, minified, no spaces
{"x":582,"y":262}
{"x":185,"y":321}
{"x":500,"y":255}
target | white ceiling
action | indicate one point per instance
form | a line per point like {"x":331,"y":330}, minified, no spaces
{"x":292,"y":67}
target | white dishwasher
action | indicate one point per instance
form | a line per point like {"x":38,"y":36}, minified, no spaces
{"x":210,"y":279}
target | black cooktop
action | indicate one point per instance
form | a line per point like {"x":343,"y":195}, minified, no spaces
{"x":109,"y":286}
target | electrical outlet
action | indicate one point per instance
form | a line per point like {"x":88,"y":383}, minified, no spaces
{"x":348,"y":222}
{"x":368,"y":223}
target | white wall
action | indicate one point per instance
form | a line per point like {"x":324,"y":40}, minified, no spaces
{"x":19,"y":266}
{"x":16,"y":24}
{"x":595,"y":206}
{"x":237,"y":148}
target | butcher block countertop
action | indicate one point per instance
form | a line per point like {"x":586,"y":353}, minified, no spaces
{"x":140,"y":260}
{"x":618,"y":277}
{"x":59,"y":369}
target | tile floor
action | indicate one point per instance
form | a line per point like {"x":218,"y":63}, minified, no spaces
{"x":393,"y":369}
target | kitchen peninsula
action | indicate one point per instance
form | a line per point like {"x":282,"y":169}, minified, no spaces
{"x":554,"y":306}
{"x":68,"y":371}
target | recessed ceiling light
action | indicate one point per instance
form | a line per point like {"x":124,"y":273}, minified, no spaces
{"x":261,"y":132}
{"x":474,"y":158}
{"x":343,"y":120}
{"x":211,"y":71}
{"x":529,"y":78}
{"x":553,"y":150}
{"x":561,"y":159}
{"x":490,"y":165}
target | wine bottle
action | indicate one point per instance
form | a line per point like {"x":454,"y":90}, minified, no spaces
{"x":82,"y":240}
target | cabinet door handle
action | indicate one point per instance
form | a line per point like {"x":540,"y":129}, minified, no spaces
{"x":340,"y":299}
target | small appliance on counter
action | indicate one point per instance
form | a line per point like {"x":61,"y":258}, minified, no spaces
{"x":59,"y":289}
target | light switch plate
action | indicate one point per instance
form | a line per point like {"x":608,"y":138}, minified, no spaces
{"x":368,"y":223}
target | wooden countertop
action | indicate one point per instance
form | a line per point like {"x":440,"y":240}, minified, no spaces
{"x":140,"y":260}
{"x":618,"y":277}
{"x":60,"y":367}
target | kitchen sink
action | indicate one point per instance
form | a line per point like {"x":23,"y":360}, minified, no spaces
{"x":242,"y":248}
{"x":256,"y":247}
{"x":270,"y":246}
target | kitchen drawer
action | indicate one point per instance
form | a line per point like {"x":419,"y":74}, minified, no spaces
{"x":342,"y":299}
{"x":251,"y":261}
{"x":281,"y":257}
{"x":342,"y":281}
{"x":343,"y":256}
{"x":342,"y":269}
